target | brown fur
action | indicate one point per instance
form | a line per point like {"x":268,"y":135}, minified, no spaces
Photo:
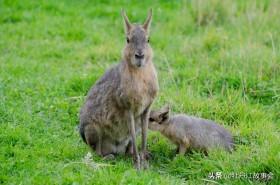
{"x":189,"y":132}
{"x":118,"y":105}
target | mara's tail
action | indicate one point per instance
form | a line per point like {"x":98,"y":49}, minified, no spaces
{"x":230,"y":144}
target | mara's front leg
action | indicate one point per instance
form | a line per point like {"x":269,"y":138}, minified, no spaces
{"x":184,"y":145}
{"x":144,"y":125}
{"x":131,"y":124}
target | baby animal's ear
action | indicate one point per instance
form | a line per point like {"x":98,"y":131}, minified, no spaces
{"x":164,"y":113}
{"x":165,"y":109}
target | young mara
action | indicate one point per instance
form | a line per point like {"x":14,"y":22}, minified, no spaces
{"x":189,"y":132}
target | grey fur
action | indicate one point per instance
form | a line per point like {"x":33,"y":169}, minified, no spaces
{"x":189,"y":132}
{"x":118,"y":105}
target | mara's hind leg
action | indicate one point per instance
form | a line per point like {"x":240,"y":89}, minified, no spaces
{"x":108,"y":148}
{"x":82,"y":132}
{"x":93,"y":137}
{"x":124,"y":147}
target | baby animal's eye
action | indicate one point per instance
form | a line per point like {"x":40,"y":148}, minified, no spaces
{"x":151,"y":119}
{"x":148,"y":40}
{"x":127,"y":40}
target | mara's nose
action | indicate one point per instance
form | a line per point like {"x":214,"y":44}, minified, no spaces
{"x":139,"y":55}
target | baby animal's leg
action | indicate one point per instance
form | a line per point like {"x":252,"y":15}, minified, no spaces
{"x":184,"y":145}
{"x":177,"y":149}
{"x":182,"y":149}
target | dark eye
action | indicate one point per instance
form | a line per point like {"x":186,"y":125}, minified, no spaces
{"x":151,"y":119}
{"x":148,"y":40}
{"x":127,"y":40}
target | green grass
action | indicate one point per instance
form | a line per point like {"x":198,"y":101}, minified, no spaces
{"x":215,"y":59}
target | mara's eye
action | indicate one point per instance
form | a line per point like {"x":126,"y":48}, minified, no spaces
{"x":127,"y":40}
{"x":148,"y":40}
{"x":151,"y":119}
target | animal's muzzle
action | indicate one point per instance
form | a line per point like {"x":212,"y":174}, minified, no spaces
{"x":139,"y":56}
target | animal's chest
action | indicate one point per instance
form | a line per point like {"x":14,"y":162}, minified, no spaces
{"x":119,"y":130}
{"x":174,"y":134}
{"x":139,"y":93}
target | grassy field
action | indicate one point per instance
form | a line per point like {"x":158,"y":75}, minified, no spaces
{"x":215,"y":59}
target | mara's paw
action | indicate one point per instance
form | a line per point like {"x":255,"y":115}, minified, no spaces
{"x":144,"y":156}
{"x":109,"y":157}
{"x":137,"y":162}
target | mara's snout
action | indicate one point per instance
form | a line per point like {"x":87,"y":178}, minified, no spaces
{"x":139,"y":55}
{"x":139,"y":59}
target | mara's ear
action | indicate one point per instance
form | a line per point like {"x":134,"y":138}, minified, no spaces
{"x":153,"y":115}
{"x":164,"y":113}
{"x":127,"y":24}
{"x":148,"y":21}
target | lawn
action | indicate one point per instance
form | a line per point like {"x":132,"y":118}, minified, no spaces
{"x":218,"y":60}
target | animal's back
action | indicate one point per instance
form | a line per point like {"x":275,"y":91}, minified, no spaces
{"x":204,"y":134}
{"x":101,"y":100}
